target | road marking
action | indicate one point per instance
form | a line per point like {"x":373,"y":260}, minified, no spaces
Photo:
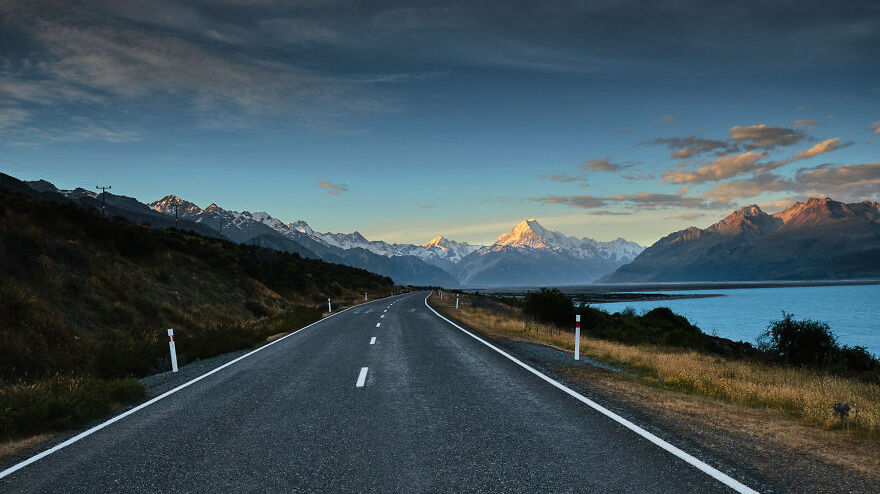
{"x":382,"y":316}
{"x":373,"y":340}
{"x":362,"y":377}
{"x":687,"y":457}
{"x":386,"y":310}
{"x":89,"y":432}
{"x":378,"y":324}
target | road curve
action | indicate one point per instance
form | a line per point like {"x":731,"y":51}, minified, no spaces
{"x":384,"y":397}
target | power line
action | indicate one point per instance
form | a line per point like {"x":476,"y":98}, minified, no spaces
{"x":103,"y":197}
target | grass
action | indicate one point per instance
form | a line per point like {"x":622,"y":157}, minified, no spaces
{"x":800,"y":393}
{"x":61,"y":402}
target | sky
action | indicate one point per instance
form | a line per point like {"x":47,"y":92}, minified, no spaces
{"x":408,"y":120}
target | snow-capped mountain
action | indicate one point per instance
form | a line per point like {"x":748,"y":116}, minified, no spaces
{"x":532,"y":255}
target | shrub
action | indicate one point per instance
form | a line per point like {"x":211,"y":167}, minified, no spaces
{"x":805,"y":342}
{"x":550,"y":307}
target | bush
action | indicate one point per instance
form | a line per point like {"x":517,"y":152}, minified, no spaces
{"x":550,"y":307}
{"x":811,"y":343}
{"x":805,"y":342}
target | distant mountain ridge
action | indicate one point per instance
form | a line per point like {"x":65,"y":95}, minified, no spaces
{"x":814,"y":239}
{"x":528,"y":254}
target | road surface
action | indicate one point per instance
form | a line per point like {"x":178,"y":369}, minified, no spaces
{"x":383,"y":397}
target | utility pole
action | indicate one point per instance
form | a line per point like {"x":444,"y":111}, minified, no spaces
{"x":103,"y":197}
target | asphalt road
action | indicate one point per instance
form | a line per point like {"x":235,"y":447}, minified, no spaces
{"x":438,"y":411}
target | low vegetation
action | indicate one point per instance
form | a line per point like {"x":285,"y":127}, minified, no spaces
{"x":814,"y":392}
{"x":85,"y":303}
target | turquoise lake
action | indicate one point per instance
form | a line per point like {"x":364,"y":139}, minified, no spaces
{"x":852,"y":311}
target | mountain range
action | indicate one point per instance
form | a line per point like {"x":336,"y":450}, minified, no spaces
{"x":812,"y":240}
{"x":527,"y":255}
{"x":815,"y":239}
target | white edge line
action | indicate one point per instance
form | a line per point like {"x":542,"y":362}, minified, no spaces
{"x":687,"y":457}
{"x":89,"y":432}
{"x":362,"y":377}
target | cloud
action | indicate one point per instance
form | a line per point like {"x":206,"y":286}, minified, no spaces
{"x":12,"y":117}
{"x":602,"y":165}
{"x":426,"y":206}
{"x":823,"y":147}
{"x":876,"y":127}
{"x":685,"y":216}
{"x":809,"y":124}
{"x":334,"y":189}
{"x":749,"y":162}
{"x":845,"y":182}
{"x":688,"y":146}
{"x":565,"y":178}
{"x":721,"y":168}
{"x":623,"y":131}
{"x":638,"y":201}
{"x":669,"y":118}
{"x":749,"y":187}
{"x":765,"y":137}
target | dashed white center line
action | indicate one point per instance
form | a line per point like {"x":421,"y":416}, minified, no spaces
{"x":373,"y":340}
{"x":362,"y":378}
{"x":382,"y":316}
{"x":378,"y":324}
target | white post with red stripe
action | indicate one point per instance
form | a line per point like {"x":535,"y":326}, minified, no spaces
{"x":173,"y":350}
{"x":577,"y":337}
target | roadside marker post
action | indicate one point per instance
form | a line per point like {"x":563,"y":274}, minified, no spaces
{"x":329,"y":307}
{"x":173,"y":350}
{"x":577,"y":337}
{"x":456,"y":301}
{"x":365,"y":295}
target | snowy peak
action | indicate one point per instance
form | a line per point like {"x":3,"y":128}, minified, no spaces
{"x":167,"y":204}
{"x":302,"y":227}
{"x":528,"y":233}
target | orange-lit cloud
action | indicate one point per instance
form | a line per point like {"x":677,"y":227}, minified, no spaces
{"x":721,"y":168}
{"x":334,"y":189}
{"x":765,"y":137}
{"x":876,"y":127}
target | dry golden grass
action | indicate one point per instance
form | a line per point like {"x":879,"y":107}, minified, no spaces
{"x":800,"y":393}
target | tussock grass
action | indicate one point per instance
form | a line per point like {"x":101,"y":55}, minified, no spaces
{"x":797,"y":392}
{"x":61,"y":402}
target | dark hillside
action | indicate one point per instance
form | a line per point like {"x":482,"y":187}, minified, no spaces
{"x":86,"y":297}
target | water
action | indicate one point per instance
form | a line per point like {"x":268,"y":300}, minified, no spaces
{"x":853,"y":311}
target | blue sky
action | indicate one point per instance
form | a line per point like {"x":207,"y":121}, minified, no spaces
{"x":409,"y":120}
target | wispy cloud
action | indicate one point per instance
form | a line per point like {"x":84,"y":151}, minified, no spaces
{"x":602,"y":165}
{"x":689,"y":146}
{"x":845,"y":182}
{"x":721,"y":168}
{"x":765,"y":137}
{"x":685,"y":216}
{"x":639,"y":201}
{"x":426,"y":206}
{"x":567,"y":179}
{"x":875,"y":127}
{"x":809,"y":124}
{"x":333,"y":189}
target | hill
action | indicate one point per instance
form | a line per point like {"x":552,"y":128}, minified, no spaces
{"x":812,"y":240}
{"x":85,"y":299}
